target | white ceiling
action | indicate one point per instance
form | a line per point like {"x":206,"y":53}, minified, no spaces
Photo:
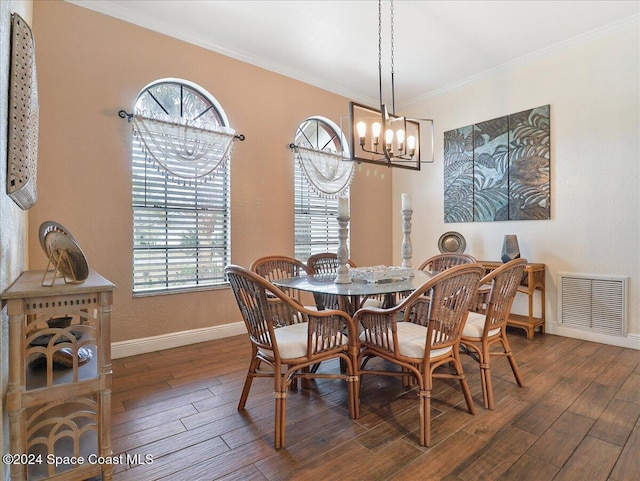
{"x":334,"y":44}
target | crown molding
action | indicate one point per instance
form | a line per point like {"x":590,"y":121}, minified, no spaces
{"x":171,"y":30}
{"x":605,"y":31}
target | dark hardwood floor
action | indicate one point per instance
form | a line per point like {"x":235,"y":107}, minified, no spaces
{"x":577,"y":418}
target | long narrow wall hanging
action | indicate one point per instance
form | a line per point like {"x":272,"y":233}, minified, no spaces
{"x":22,"y":155}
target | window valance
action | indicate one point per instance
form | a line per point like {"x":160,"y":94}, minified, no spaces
{"x":326,"y":172}
{"x":187,"y":149}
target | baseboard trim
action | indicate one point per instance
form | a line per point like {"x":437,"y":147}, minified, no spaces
{"x":143,"y":345}
{"x":631,"y":341}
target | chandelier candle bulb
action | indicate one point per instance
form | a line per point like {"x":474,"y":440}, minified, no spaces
{"x":362,"y":132}
{"x":343,"y":207}
{"x":411,"y":145}
{"x":375,"y":133}
{"x":400,"y":137}
{"x":406,"y":202}
{"x":389,"y":140}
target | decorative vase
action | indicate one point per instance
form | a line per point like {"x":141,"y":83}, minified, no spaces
{"x":510,"y":249}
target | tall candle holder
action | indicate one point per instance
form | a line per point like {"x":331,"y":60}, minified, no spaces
{"x":407,"y":249}
{"x":342,"y":274}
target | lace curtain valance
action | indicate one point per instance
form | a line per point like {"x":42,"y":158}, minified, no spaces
{"x":326,"y":172}
{"x":188,"y":150}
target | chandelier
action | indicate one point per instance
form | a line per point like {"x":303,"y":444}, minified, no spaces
{"x":380,"y":136}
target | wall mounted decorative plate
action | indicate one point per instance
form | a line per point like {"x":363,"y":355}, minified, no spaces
{"x":22,"y":154}
{"x":452,"y":242}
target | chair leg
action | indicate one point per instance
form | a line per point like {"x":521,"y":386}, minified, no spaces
{"x":487,"y":386}
{"x":293,"y":385}
{"x":408,"y":380}
{"x":255,"y":362}
{"x":463,"y":382}
{"x":425,"y":417}
{"x":280,"y":391}
{"x":354,"y":396}
{"x":305,"y":382}
{"x":353,"y":382}
{"x":484,"y":360}
{"x":512,"y":359}
{"x":281,"y":419}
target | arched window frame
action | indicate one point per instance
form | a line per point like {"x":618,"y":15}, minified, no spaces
{"x":181,"y":229}
{"x":315,"y":224}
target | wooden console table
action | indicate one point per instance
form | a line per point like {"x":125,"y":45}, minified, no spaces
{"x":533,"y":279}
{"x":59,"y":393}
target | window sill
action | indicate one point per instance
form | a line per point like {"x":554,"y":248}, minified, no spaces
{"x":183,"y":290}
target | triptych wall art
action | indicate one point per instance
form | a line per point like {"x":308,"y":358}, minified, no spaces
{"x":499,"y":169}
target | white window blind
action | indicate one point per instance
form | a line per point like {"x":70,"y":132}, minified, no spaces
{"x":180,"y":231}
{"x":316,"y":227}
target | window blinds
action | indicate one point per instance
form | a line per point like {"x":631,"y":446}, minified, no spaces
{"x":181,"y":231}
{"x":316,"y":227}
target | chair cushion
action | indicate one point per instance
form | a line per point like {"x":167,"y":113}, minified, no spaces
{"x":411,"y":338}
{"x":372,"y":303}
{"x":292,"y":341}
{"x":475,"y":326}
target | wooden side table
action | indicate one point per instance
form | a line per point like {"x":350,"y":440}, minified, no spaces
{"x":532,"y":281}
{"x":59,"y":393}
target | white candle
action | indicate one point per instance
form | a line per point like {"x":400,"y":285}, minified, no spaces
{"x":343,"y":207}
{"x":406,"y":202}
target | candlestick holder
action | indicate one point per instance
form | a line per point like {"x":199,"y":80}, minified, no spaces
{"x":342,"y":274}
{"x":407,"y":249}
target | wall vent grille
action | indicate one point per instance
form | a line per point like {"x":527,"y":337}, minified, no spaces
{"x":593,"y":303}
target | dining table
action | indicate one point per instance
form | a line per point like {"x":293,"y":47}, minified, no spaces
{"x":352,"y":294}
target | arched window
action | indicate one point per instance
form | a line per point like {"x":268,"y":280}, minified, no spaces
{"x":181,"y":229}
{"x":316,"y":228}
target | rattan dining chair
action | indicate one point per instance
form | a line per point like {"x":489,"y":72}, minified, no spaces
{"x":327,"y":263}
{"x":286,"y":339}
{"x":426,"y":338}
{"x":484,"y":329}
{"x":440,"y":262}
{"x":279,"y":267}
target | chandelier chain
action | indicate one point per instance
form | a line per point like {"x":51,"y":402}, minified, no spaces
{"x":380,"y":49}
{"x":392,"y":54}
{"x":380,"y":33}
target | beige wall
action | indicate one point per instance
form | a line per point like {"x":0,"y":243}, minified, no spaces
{"x":592,"y":87}
{"x":89,"y":67}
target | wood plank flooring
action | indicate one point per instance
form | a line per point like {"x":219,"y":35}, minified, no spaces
{"x":577,"y":418}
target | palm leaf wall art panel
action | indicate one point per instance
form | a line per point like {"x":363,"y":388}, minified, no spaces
{"x":458,"y":175}
{"x":491,"y":170}
{"x":529,"y":158}
{"x":498,"y":170}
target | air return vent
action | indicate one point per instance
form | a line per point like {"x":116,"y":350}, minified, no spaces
{"x":592,"y":303}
